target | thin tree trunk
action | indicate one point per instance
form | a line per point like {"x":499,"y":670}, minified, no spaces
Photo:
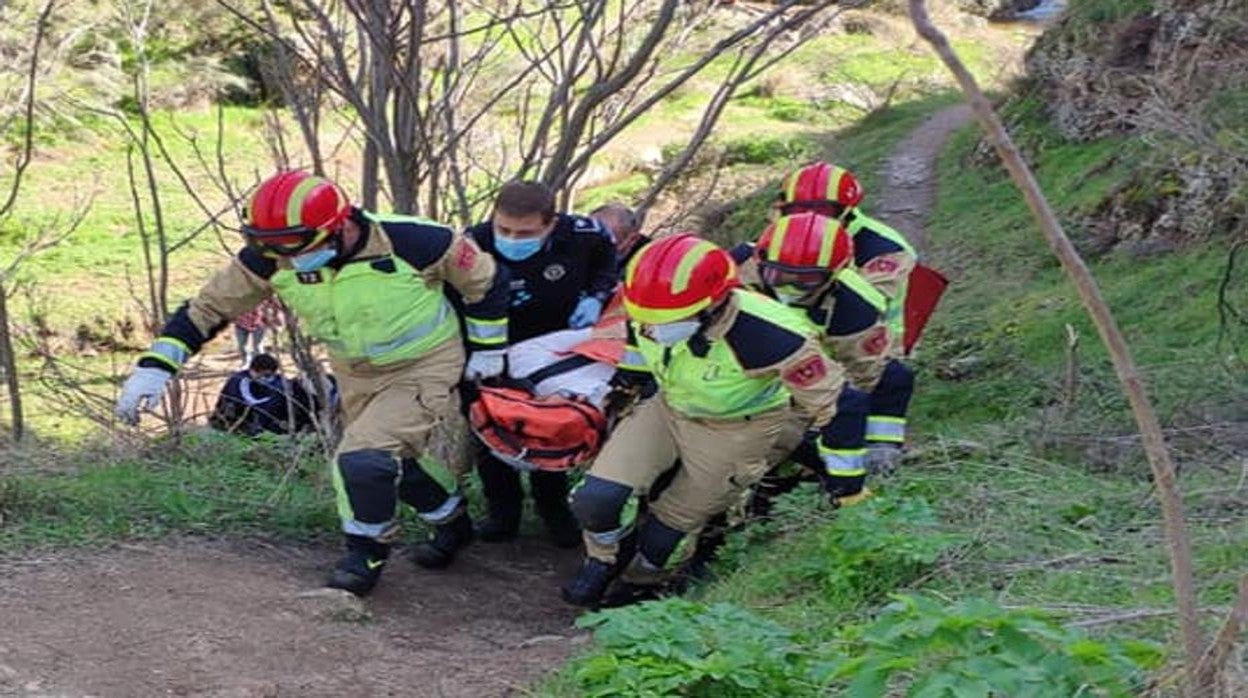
{"x":1107,"y":327}
{"x":10,"y":367}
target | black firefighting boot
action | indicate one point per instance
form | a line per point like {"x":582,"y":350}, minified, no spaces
{"x":360,"y":568}
{"x":550,"y":495}
{"x":586,"y":588}
{"x":448,"y":538}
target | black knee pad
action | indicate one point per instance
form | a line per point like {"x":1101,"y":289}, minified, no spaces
{"x":597,"y":503}
{"x":419,"y":489}
{"x":368,"y":478}
{"x":657,"y":540}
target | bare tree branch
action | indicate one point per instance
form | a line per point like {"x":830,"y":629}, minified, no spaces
{"x":28,"y":128}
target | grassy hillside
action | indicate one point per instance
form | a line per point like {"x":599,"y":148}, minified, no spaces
{"x":1020,"y":546}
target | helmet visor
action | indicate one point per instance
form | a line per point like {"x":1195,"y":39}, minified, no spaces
{"x":285,"y":242}
{"x":831,"y":209}
{"x":805,"y":279}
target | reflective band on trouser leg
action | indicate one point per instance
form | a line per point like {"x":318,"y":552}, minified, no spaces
{"x":170,"y":351}
{"x":434,"y":500}
{"x":486,"y":332}
{"x":844,"y":462}
{"x":610,"y":538}
{"x":444,"y":513}
{"x":366,"y":482}
{"x":882,"y":429}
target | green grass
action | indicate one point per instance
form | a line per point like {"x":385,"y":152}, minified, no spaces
{"x":209,"y":484}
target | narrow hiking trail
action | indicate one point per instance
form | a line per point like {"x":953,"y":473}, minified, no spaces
{"x":909,"y":175}
{"x":247,"y":619}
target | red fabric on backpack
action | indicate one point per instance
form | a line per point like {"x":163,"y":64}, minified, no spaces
{"x":547,"y":433}
{"x":922,"y":295}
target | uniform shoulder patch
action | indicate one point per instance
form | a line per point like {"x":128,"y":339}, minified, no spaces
{"x":807,"y":372}
{"x":874,"y":342}
{"x":759,"y":343}
{"x":466,"y":256}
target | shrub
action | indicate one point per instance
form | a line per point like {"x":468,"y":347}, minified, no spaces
{"x":977,"y":648}
{"x":678,"y":647}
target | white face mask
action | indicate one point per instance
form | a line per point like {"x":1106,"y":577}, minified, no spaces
{"x":671,"y":333}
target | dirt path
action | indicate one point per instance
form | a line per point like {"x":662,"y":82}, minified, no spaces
{"x":909,"y":189}
{"x":249,"y":620}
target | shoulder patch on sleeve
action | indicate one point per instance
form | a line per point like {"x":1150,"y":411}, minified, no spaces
{"x":759,"y":343}
{"x":257,"y":263}
{"x":869,"y":245}
{"x":808,"y":372}
{"x":851,"y":313}
{"x":418,"y":244}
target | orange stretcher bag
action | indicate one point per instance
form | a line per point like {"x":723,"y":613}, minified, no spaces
{"x":925,"y":289}
{"x":537,"y":433}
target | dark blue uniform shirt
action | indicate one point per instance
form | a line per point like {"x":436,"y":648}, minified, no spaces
{"x":577,"y":260}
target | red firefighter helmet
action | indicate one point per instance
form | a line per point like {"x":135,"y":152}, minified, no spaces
{"x":804,"y":250}
{"x":676,"y":277}
{"x":293,"y":211}
{"x":819,"y":187}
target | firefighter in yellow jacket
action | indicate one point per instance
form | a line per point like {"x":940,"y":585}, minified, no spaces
{"x":741,"y":378}
{"x":370,"y":287}
{"x":883,"y":257}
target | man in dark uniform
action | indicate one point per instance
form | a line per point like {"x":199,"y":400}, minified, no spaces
{"x":563,"y":271}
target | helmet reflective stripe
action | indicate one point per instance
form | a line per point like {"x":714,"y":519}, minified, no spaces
{"x":790,"y":185}
{"x":828,"y":244}
{"x":835,"y":178}
{"x":294,"y":205}
{"x":781,"y":229}
{"x":680,"y":279}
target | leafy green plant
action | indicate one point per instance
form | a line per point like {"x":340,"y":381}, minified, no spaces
{"x":977,"y":648}
{"x":678,"y":647}
{"x":845,"y":557}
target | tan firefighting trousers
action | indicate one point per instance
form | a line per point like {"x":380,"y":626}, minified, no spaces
{"x":393,"y":409}
{"x":720,"y":459}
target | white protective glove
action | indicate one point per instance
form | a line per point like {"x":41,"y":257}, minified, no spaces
{"x":141,"y":391}
{"x":485,"y":364}
{"x":882,"y":459}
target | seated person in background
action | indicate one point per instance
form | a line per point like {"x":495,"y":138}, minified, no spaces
{"x":253,"y":400}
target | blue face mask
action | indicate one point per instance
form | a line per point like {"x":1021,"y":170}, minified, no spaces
{"x":311,"y":261}
{"x":516,"y":250}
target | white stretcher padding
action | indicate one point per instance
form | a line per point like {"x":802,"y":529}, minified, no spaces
{"x":591,"y":382}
